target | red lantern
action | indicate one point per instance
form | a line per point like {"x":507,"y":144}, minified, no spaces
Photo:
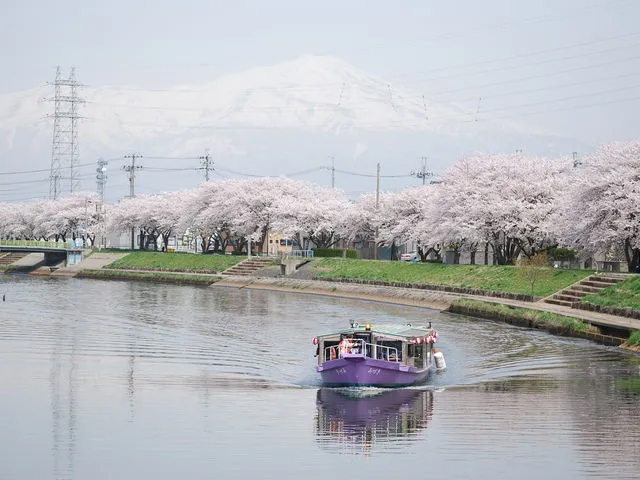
{"x":315,"y":340}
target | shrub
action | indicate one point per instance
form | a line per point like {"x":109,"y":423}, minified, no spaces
{"x":534,"y":268}
{"x":561,"y":254}
{"x":334,"y":252}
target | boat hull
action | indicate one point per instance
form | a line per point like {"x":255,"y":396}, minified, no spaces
{"x":358,"y":370}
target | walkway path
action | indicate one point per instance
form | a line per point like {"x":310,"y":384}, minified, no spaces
{"x":95,"y":261}
{"x":414,"y":297}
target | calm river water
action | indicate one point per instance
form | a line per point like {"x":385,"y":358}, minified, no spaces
{"x":117,"y":380}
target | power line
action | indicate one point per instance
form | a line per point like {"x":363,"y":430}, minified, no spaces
{"x":564,"y":99}
{"x":542,"y":75}
{"x":25,"y":182}
{"x":172,"y":158}
{"x":524,"y":55}
{"x":41,"y":170}
{"x":357,"y":174}
{"x":160,"y":169}
{"x":565,"y":109}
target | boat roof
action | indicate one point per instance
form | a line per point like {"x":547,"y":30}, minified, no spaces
{"x":397,"y":330}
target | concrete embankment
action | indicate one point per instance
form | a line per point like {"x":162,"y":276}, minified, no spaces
{"x":400,"y":296}
{"x":617,"y":326}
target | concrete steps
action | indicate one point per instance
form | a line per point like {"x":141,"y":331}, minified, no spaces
{"x":7,"y":258}
{"x":248,"y":266}
{"x":574,"y":293}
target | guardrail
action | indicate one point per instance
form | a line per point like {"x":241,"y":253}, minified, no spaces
{"x":33,"y":243}
{"x":300,"y":254}
{"x":358,"y":346}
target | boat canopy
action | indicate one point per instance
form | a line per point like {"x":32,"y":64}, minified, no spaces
{"x":407,"y":331}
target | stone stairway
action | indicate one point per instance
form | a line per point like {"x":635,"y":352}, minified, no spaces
{"x":7,"y":258}
{"x":248,"y":266}
{"x":592,"y":284}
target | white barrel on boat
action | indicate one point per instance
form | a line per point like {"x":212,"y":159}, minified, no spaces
{"x":439,"y":358}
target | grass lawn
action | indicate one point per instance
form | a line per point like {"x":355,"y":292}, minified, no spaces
{"x":151,"y":276}
{"x":180,"y":262}
{"x":507,"y":311}
{"x":492,"y":277}
{"x":624,"y":294}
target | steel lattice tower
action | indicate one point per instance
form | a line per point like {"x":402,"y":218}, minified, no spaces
{"x":101,"y":178}
{"x":64,"y":152}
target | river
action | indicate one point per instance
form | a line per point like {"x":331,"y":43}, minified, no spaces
{"x":127,"y":380}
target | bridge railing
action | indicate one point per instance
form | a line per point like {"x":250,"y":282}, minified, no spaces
{"x":32,"y":243}
{"x":300,"y":254}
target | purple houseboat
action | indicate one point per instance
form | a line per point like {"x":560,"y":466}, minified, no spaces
{"x":380,"y":356}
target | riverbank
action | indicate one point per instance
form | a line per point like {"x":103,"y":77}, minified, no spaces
{"x":602,"y":327}
{"x":164,"y":277}
{"x":521,"y":314}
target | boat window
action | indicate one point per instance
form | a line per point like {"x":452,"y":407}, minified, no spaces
{"x":392,"y":344}
{"x":417,"y":352}
{"x":330,"y":350}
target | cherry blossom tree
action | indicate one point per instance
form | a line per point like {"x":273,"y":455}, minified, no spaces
{"x":156,"y":216}
{"x":10,"y":220}
{"x":505,"y":200}
{"x":70,"y":217}
{"x":21,"y":221}
{"x":602,"y":209}
{"x":231,"y":211}
{"x":310,"y":212}
{"x":409,"y":216}
{"x":356,"y":221}
{"x":207,"y":215}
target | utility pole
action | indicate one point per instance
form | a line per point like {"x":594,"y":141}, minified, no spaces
{"x":131,"y":170}
{"x":375,"y":243}
{"x":207,"y":164}
{"x":423,"y":173}
{"x":333,"y":172}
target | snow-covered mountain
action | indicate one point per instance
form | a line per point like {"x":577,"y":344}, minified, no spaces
{"x":266,"y":120}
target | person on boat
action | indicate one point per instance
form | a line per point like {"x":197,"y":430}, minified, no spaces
{"x":345,"y":346}
{"x":332,"y":353}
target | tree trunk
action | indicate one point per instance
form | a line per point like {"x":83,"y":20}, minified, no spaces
{"x":633,"y":257}
{"x":394,"y":251}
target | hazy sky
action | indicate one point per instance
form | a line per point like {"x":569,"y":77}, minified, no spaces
{"x":572,"y":59}
{"x":571,"y":66}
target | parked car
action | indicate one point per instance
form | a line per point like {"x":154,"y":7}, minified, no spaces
{"x":409,"y":256}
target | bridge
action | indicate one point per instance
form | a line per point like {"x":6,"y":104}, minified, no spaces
{"x":54,"y":252}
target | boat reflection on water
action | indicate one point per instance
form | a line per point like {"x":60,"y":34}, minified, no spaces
{"x":351,"y":420}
